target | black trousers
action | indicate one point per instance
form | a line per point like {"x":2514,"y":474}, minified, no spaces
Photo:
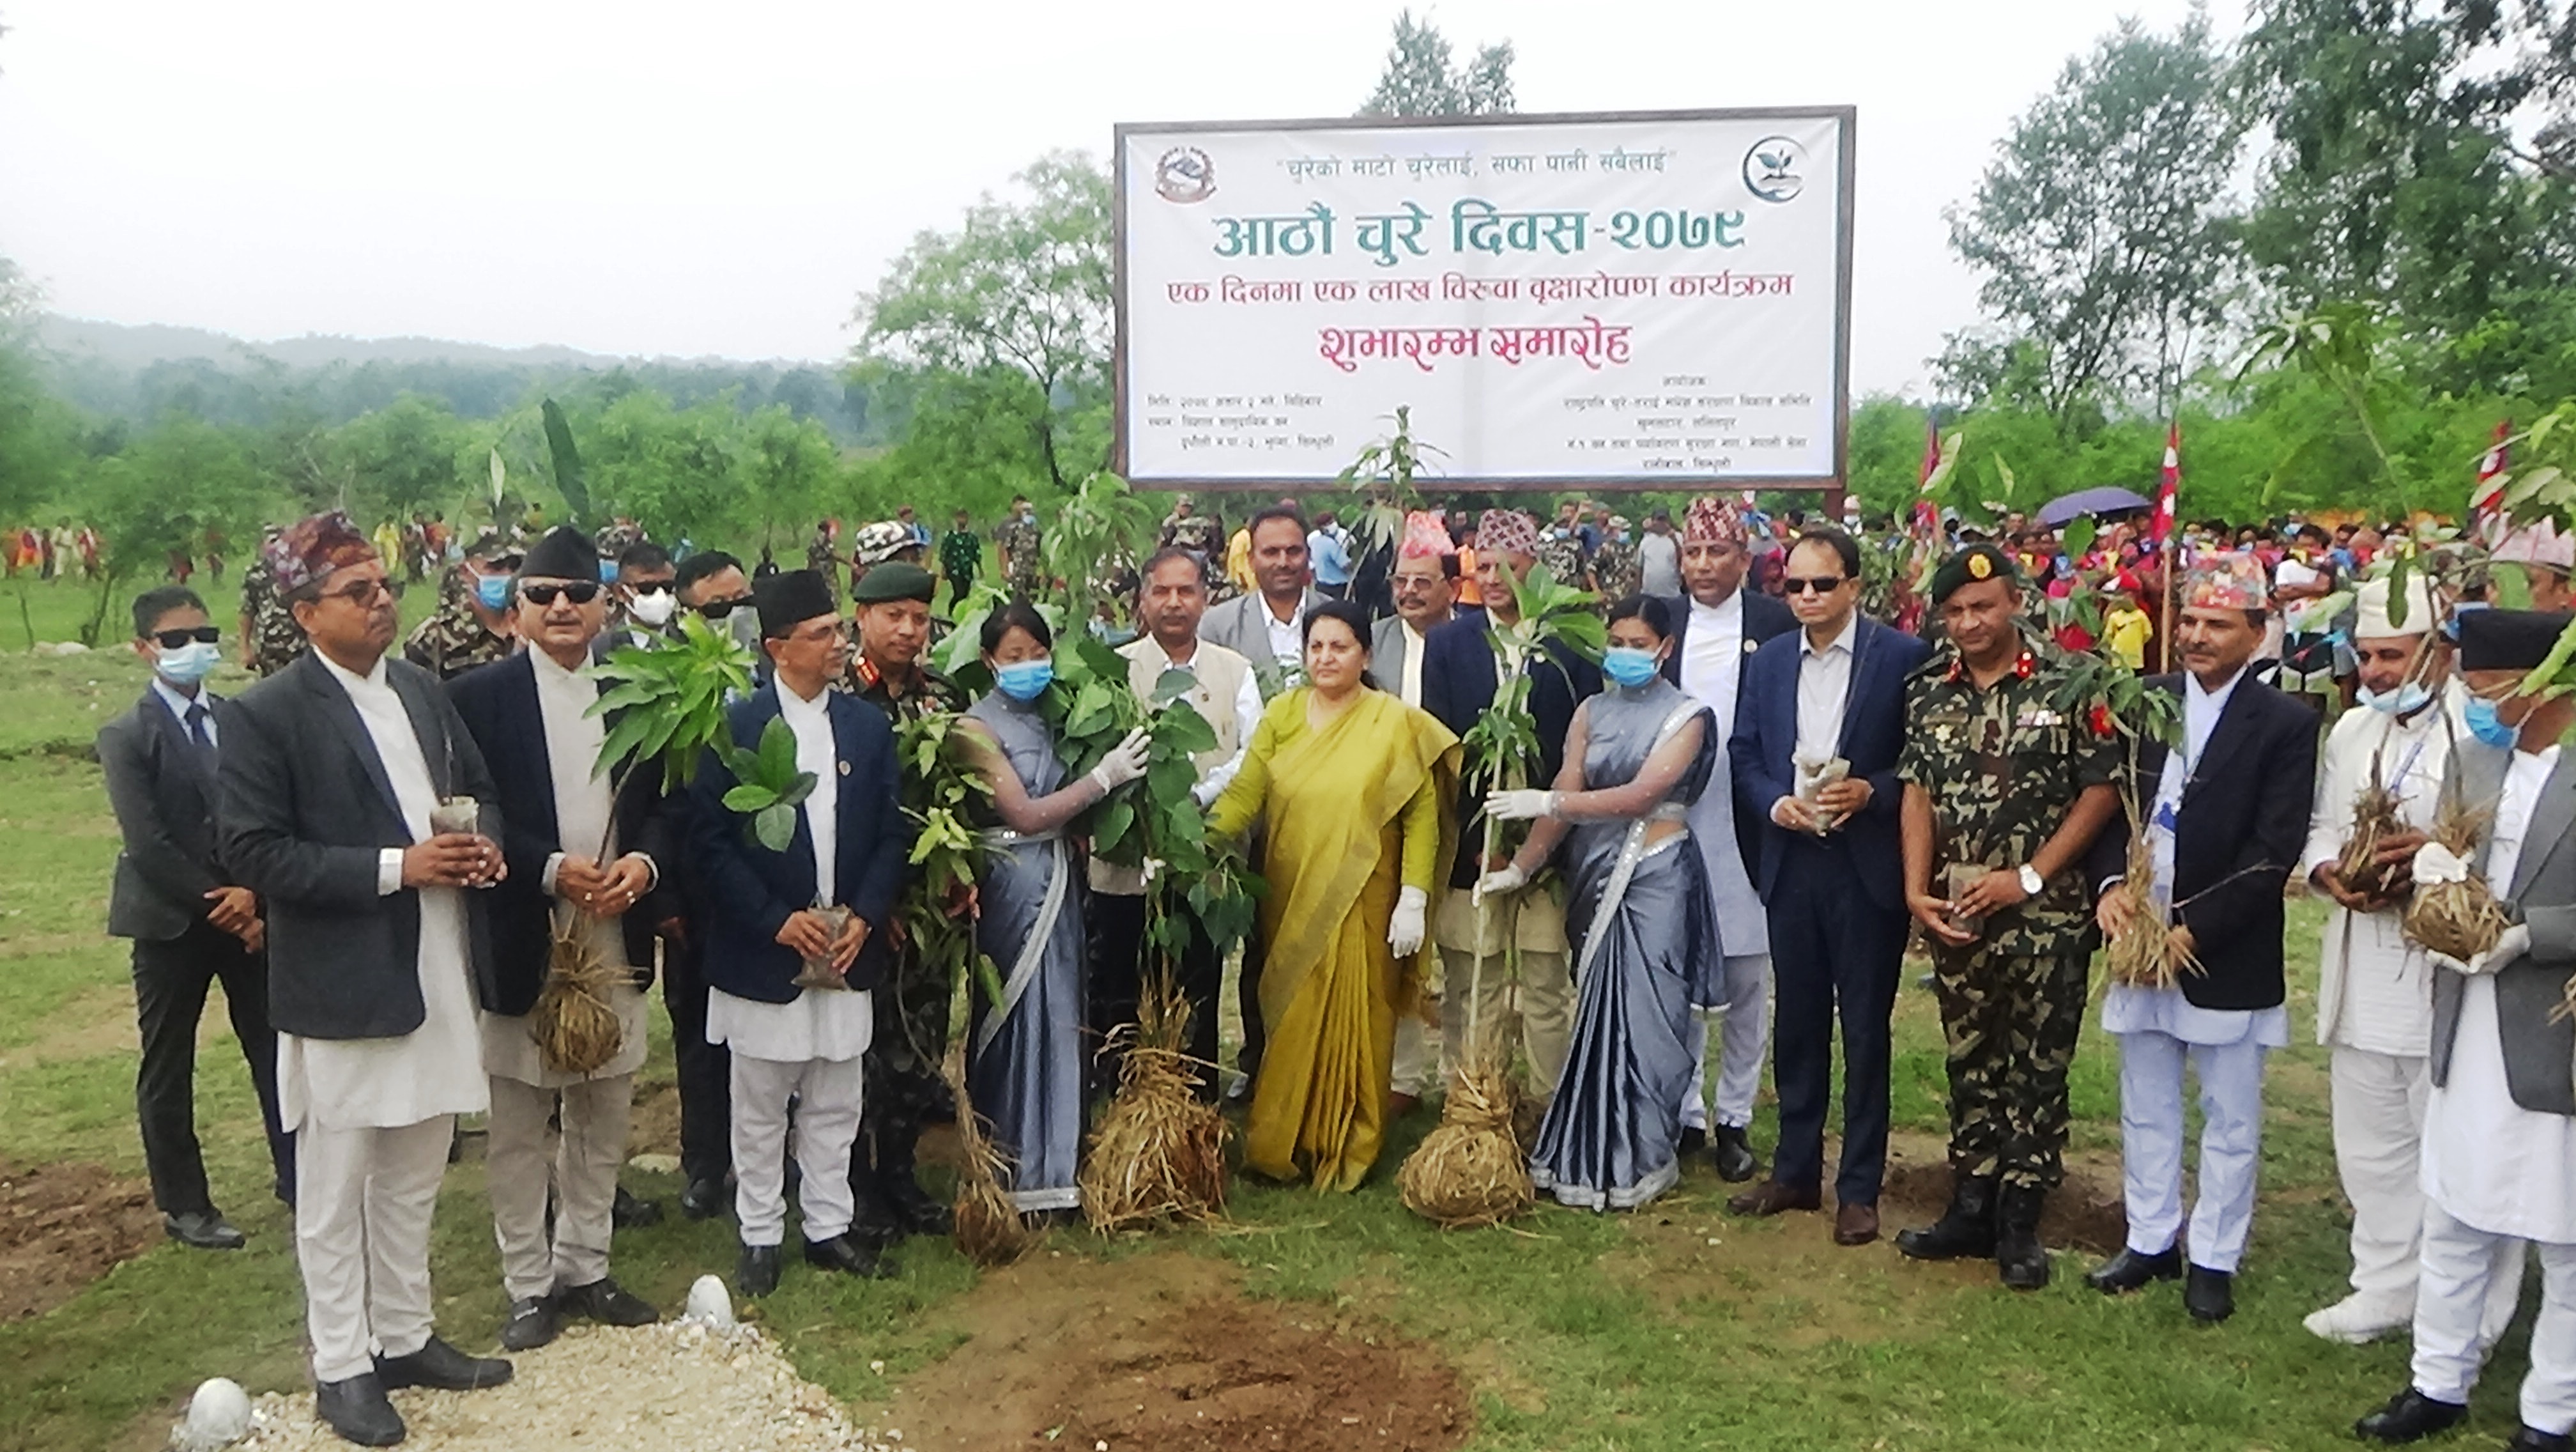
{"x":705,"y":1070}
{"x":170,"y":982}
{"x":1119,"y":955}
{"x":1834,"y":954}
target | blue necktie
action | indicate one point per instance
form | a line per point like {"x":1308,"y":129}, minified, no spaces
{"x":197,"y":733}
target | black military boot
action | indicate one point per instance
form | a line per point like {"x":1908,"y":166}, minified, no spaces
{"x":1965,"y":1230}
{"x":873,"y":1221}
{"x":2020,"y":1260}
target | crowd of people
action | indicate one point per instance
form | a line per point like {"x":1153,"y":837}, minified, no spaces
{"x":1728,"y":829}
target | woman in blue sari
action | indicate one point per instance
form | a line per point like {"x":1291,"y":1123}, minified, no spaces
{"x":1024,"y":1061}
{"x":1636,"y":757}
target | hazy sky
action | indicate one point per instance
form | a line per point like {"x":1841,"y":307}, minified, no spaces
{"x":653,"y":178}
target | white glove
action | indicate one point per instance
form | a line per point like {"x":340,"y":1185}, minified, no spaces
{"x":1404,"y":935}
{"x":1153,"y":868}
{"x":1503,"y":881}
{"x":2512,"y":943}
{"x":1519,"y":806}
{"x":2435,"y":863}
{"x":1124,"y":763}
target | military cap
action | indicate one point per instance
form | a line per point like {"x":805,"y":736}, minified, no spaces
{"x":1970,"y":565}
{"x":897,"y":580}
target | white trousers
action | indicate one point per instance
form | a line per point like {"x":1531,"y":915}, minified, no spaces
{"x":1418,"y":1047}
{"x":1744,"y":1032}
{"x":582,"y":1163}
{"x":2231,"y":1144}
{"x":2451,"y":1311}
{"x":2378,"y":1102}
{"x":363,"y":1202}
{"x":826,"y":1094}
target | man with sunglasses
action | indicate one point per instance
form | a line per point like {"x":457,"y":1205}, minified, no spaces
{"x":582,"y":848}
{"x":190,"y":923}
{"x":339,"y":791}
{"x":472,"y":625}
{"x":645,"y":602}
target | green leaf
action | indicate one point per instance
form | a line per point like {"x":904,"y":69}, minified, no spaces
{"x":775,"y":825}
{"x":748,"y":798}
{"x":2398,"y":571}
{"x":1173,"y":684}
{"x":798,"y":790}
{"x":1170,"y":781}
{"x":1184,"y":730}
{"x":1117,"y":818}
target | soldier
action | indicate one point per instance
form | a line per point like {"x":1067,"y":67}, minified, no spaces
{"x":1016,"y":537}
{"x":2004,"y":791}
{"x":1201,"y":534}
{"x":822,"y":556}
{"x":1617,"y":572}
{"x":1560,"y":549}
{"x":472,"y":626}
{"x":961,"y":558}
{"x":270,"y":641}
{"x":904,"y":1090}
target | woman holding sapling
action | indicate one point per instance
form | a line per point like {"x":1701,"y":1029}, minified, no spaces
{"x":1350,"y":781}
{"x":1024,"y":1062}
{"x":1636,"y":757}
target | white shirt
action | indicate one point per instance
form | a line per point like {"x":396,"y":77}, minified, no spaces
{"x":437,"y":1068}
{"x":1416,"y":645}
{"x":2374,"y":987}
{"x":1286,"y":644}
{"x":181,"y":705}
{"x":1824,"y":686}
{"x":2492,"y":1164}
{"x":811,"y":724}
{"x":1712,"y":669}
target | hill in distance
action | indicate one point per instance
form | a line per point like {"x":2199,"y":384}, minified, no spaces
{"x":135,"y":347}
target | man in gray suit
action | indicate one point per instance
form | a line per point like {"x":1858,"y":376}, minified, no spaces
{"x":191,"y":924}
{"x":1267,"y":627}
{"x":2499,"y":1148}
{"x":1426,"y":597}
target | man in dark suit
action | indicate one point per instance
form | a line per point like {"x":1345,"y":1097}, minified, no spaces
{"x":1460,"y":673}
{"x":1716,"y":626}
{"x":798,"y":1033}
{"x":352,"y":800}
{"x":191,"y":924}
{"x":1818,"y":728}
{"x":2227,"y":821}
{"x":583,"y":849}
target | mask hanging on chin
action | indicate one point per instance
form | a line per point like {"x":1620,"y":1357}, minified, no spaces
{"x":2479,"y":715}
{"x":2405,"y":700}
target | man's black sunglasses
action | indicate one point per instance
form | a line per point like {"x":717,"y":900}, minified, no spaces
{"x":202,"y":634}
{"x":1817,"y":584}
{"x":581,"y":592}
{"x":719,"y":609}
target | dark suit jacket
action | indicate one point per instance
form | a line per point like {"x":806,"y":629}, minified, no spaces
{"x":498,"y":704}
{"x":2539,"y":1043}
{"x":1766,"y":737}
{"x":1458,"y":684}
{"x":304,"y":809}
{"x":2240,"y":832}
{"x":162,"y":788}
{"x":752,"y":890}
{"x":1764,"y":619}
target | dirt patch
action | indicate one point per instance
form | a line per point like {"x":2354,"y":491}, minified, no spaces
{"x":2084,"y":1213}
{"x":62,"y":1227}
{"x":653,"y":1125}
{"x":1163,"y":1353}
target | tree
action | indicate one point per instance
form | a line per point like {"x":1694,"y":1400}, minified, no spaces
{"x":183,"y":479}
{"x":403,"y":458}
{"x":2100,"y":233}
{"x":1421,"y":80}
{"x":1022,"y":286}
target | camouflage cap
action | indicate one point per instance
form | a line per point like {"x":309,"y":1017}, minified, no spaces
{"x":879,"y":542}
{"x":1970,"y":565}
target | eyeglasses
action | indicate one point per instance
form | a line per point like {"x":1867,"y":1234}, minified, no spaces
{"x":719,"y":609}
{"x":580,"y":592}
{"x":362,"y":592}
{"x":176,"y":639}
{"x":1812,"y":584}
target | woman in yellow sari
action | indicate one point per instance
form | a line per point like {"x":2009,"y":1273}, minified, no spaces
{"x":1350,"y":781}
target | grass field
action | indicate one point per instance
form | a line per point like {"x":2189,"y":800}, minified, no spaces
{"x":1678,"y":1328}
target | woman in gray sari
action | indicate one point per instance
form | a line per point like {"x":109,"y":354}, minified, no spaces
{"x":1024,"y":1062}
{"x":1636,"y":757}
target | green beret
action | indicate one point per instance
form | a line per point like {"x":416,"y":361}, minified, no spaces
{"x":1976,"y":562}
{"x":893,"y":580}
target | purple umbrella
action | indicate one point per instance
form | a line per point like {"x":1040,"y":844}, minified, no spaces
{"x":2109,"y":499}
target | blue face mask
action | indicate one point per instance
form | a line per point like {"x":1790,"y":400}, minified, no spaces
{"x":2480,"y":717}
{"x":1627,"y":665}
{"x":188,"y":664}
{"x":608,"y":572}
{"x":2405,"y":700}
{"x":1024,"y":680}
{"x":493,"y":591}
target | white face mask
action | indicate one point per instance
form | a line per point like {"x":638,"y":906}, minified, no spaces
{"x":653,"y":607}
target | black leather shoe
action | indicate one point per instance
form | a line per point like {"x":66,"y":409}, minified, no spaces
{"x":358,"y":1410}
{"x":1694,"y":1140}
{"x":606,"y":1302}
{"x":2410,"y":1416}
{"x":1965,"y":1231}
{"x":873,"y":1221}
{"x":756,"y":1274}
{"x":203,"y":1230}
{"x":2131,"y":1271}
{"x":627,"y":1212}
{"x":912,"y":1207}
{"x":441,"y":1367}
{"x":848,"y":1256}
{"x":2532,"y":1439}
{"x":534,"y":1321}
{"x":2210,"y":1296}
{"x":2021,"y":1261}
{"x":705,"y":1200}
{"x":1733,"y":1153}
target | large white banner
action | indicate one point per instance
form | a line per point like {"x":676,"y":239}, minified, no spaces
{"x":1659,"y":301}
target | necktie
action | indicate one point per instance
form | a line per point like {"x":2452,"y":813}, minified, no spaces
{"x":196,"y":718}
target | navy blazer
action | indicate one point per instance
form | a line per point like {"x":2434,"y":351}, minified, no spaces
{"x":1458,"y":684}
{"x":2240,"y":833}
{"x":498,"y":703}
{"x":304,"y":810}
{"x":752,"y":890}
{"x":1759,"y":754}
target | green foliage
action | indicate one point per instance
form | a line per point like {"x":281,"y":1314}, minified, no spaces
{"x":569,"y":481}
{"x":767,"y":786}
{"x":943,"y":794}
{"x":1382,"y":476}
{"x":1420,"y":78}
{"x":667,"y":701}
{"x":1103,"y":529}
{"x":1503,"y":746}
{"x":181,"y":481}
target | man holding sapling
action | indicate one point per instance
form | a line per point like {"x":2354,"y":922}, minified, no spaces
{"x":2499,"y":1146}
{"x":2004,"y":791}
{"x":2226,"y":818}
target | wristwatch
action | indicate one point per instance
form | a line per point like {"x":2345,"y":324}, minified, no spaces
{"x":2031,"y":881}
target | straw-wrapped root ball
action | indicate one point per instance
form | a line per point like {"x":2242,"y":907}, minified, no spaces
{"x":2459,"y":918}
{"x":2145,"y":956}
{"x":1158,"y":1152}
{"x":575,"y":1026}
{"x":988,"y":1228}
{"x":1472,"y":1170}
{"x":2374,"y":820}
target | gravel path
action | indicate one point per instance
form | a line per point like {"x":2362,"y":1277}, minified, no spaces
{"x":672,"y":1387}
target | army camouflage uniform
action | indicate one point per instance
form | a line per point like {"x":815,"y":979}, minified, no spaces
{"x":961,"y":559}
{"x":1202,"y":535}
{"x":275,"y":640}
{"x":1017,"y":541}
{"x":1618,"y":570}
{"x":1562,"y":552}
{"x":453,"y":641}
{"x":822,"y":561}
{"x":2004,"y":767}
